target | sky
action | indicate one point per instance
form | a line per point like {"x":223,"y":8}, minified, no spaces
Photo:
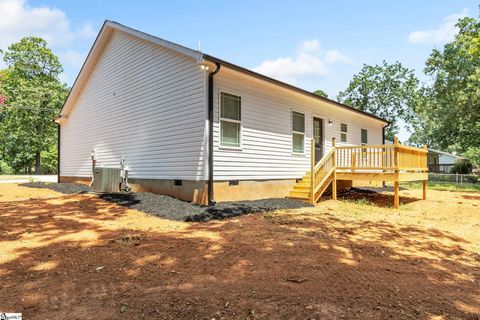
{"x":310,"y":44}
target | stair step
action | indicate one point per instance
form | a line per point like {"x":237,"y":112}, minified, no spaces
{"x":299,"y":198}
{"x":299,"y":194}
{"x":305,"y":192}
{"x":301,"y":187}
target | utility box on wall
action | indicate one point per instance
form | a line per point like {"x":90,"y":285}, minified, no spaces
{"x":106,"y":180}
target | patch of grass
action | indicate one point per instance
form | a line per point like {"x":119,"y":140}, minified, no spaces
{"x":444,"y":186}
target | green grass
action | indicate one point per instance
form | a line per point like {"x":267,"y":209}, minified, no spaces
{"x":443,"y":186}
{"x":8,"y":177}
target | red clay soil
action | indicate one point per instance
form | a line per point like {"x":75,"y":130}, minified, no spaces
{"x":79,"y":257}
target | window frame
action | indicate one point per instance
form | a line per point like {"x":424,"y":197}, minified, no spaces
{"x":222,"y":119}
{"x":344,"y":132}
{"x":361,"y":137}
{"x":292,"y":111}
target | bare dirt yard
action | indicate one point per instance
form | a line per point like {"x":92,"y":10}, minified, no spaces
{"x":80,"y":257}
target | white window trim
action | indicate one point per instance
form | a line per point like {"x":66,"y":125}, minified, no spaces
{"x":298,"y":132}
{"x":220,"y":119}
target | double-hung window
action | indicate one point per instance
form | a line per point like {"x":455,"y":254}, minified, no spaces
{"x":298,"y":132}
{"x":343,"y":132}
{"x":230,"y":120}
{"x":364,"y":137}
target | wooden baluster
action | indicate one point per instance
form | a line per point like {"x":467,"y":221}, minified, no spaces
{"x":353,"y":161}
{"x":334,"y":166}
{"x":312,"y":171}
{"x":423,"y":165}
{"x":396,"y":198}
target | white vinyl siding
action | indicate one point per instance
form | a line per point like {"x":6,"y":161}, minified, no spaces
{"x":266,"y":151}
{"x":144,"y":102}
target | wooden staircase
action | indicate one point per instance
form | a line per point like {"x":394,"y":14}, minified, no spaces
{"x":301,"y":190}
{"x":324,"y":175}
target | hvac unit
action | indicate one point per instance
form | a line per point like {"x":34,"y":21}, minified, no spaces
{"x":106,"y":180}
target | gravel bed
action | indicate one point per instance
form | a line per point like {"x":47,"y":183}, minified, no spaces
{"x":66,"y":188}
{"x":155,"y":204}
{"x":174,"y":209}
{"x":229,"y":209}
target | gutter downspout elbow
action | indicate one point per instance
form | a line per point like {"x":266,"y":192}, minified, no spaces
{"x":211,"y":200}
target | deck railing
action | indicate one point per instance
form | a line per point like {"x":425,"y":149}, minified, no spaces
{"x":389,"y":158}
{"x":322,"y":171}
{"x":385,"y":158}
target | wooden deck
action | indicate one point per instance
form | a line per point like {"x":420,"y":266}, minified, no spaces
{"x":394,"y":162}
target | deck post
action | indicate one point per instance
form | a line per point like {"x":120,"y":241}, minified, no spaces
{"x":424,"y":190}
{"x":425,"y":181}
{"x":334,"y":164}
{"x":312,"y":171}
{"x":396,"y":200}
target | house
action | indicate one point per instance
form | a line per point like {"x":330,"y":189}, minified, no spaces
{"x":202,"y":129}
{"x":441,"y":162}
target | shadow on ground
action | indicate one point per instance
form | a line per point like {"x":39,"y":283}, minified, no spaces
{"x":82,"y":257}
{"x":373,"y":196}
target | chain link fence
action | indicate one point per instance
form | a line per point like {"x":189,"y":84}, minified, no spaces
{"x":454,"y":178}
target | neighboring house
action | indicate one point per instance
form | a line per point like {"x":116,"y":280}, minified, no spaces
{"x":441,"y":162}
{"x":149,"y":101}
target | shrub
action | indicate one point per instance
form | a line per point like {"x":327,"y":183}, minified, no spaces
{"x":472,"y":179}
{"x":5,"y":168}
{"x":462,"y":166}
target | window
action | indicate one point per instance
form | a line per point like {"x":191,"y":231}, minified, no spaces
{"x":230,"y":120}
{"x":298,"y":132}
{"x":343,"y":132}
{"x":364,"y":137}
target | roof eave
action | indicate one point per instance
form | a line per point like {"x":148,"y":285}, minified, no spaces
{"x":291,"y":87}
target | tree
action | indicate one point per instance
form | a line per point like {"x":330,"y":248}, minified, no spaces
{"x":34,"y":96}
{"x":389,"y":91}
{"x":451,"y":117}
{"x":320,"y":93}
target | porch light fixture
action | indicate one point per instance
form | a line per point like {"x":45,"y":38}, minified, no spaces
{"x":204,"y":67}
{"x":330,"y":122}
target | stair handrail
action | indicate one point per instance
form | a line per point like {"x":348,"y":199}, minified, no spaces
{"x":315,"y":184}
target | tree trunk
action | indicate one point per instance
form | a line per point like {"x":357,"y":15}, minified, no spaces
{"x":38,"y":163}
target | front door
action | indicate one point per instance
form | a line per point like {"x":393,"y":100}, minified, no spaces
{"x":318,"y":136}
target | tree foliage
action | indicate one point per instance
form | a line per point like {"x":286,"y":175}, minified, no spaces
{"x":389,"y":91}
{"x":450,"y":113}
{"x":34,"y":96}
{"x":321,"y":93}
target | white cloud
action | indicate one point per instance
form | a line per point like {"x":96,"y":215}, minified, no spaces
{"x":73,"y":58}
{"x":334,"y":56}
{"x":309,"y":61}
{"x":87,"y":31}
{"x":19,"y":19}
{"x":442,"y":34}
